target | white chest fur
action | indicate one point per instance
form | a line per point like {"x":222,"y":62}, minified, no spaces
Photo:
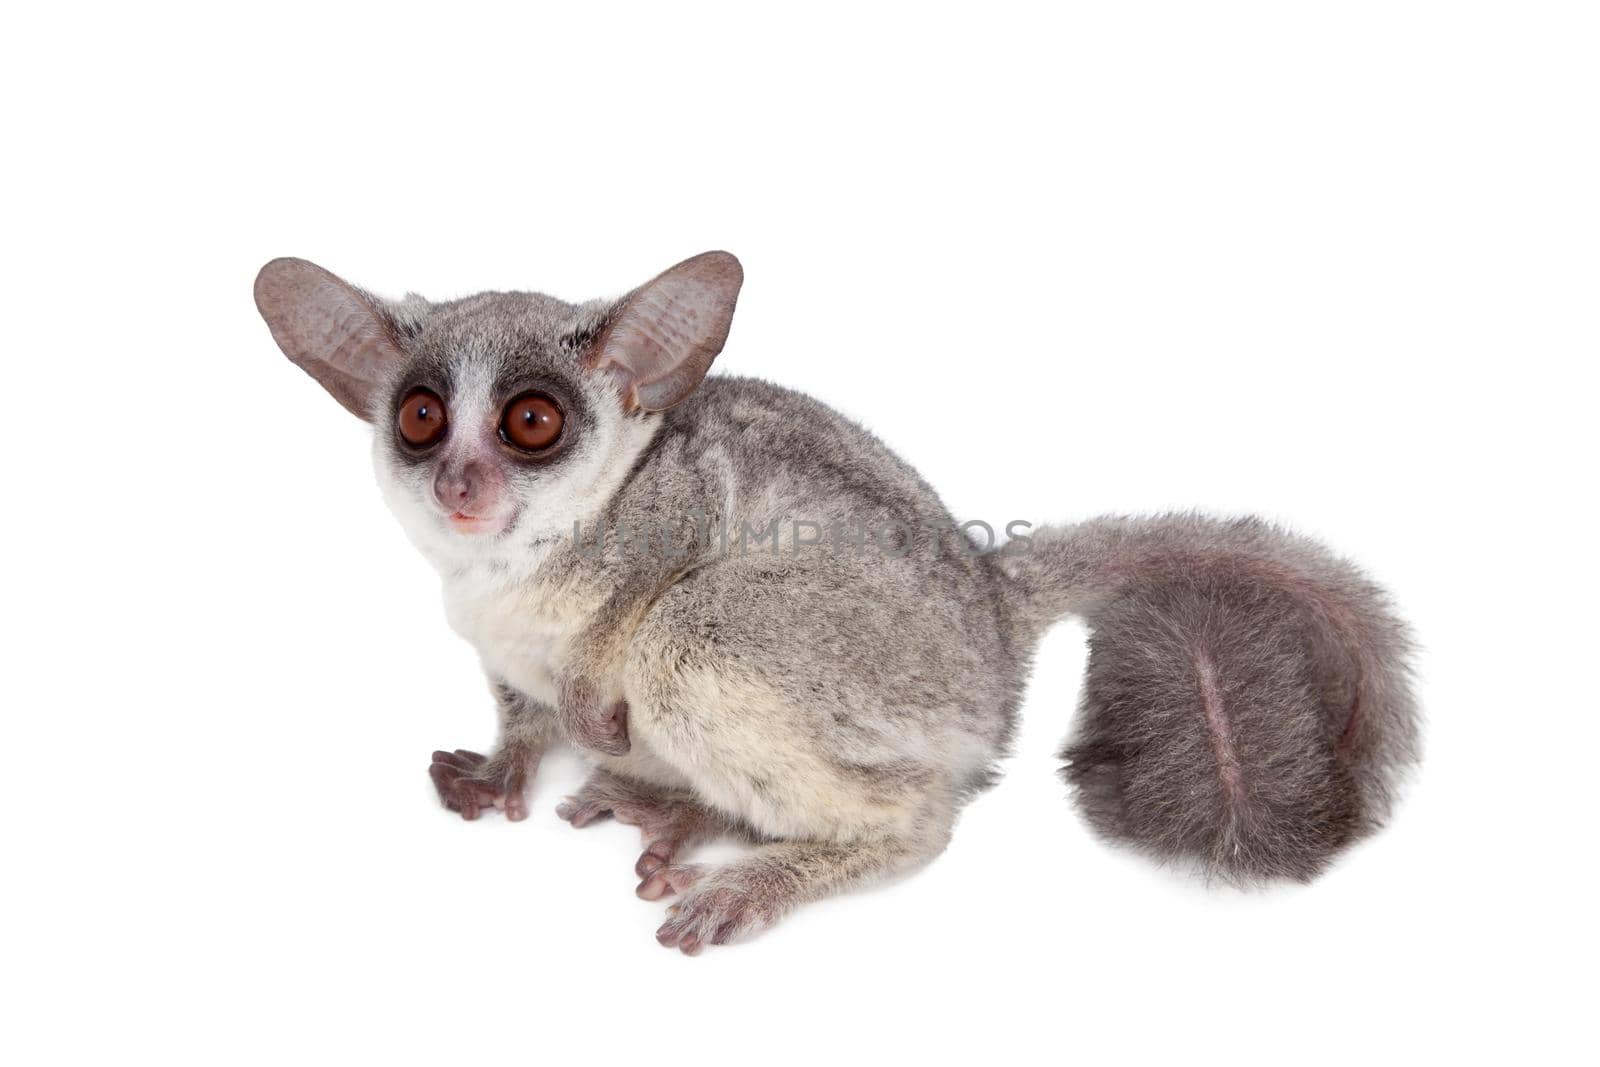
{"x":520,"y":627}
{"x":523,"y":629}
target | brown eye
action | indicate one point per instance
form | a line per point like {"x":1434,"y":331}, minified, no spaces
{"x":421,"y":418}
{"x":531,"y":423}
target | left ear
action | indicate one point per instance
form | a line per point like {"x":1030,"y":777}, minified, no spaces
{"x":663,"y":336}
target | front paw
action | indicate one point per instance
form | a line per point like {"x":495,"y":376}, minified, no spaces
{"x":469,"y":783}
{"x":592,"y":722}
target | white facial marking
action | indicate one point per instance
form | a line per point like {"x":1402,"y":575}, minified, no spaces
{"x":493,"y":594}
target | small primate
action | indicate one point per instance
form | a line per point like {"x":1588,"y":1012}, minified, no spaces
{"x":758,"y":621}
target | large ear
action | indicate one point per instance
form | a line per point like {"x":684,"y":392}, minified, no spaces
{"x":329,"y":329}
{"x":662,"y":338}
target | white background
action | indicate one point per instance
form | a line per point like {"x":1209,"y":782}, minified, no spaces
{"x":1332,"y":263}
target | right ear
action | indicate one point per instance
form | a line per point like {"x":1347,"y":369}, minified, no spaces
{"x":329,"y":329}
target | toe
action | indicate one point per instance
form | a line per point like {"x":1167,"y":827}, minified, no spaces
{"x":670,"y":933}
{"x":657,"y":854}
{"x":454,"y":760}
{"x":580,"y":813}
{"x":668,"y":879}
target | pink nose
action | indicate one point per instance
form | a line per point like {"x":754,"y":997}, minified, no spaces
{"x":459,"y":488}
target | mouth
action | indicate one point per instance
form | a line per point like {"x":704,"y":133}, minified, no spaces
{"x":461,"y":522}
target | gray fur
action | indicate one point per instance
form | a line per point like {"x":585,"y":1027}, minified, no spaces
{"x":838,"y":706}
{"x":1247,"y":705}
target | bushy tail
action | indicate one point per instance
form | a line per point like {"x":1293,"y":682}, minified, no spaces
{"x":1247,"y":704}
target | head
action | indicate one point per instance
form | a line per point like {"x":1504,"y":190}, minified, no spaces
{"x":501,"y":418}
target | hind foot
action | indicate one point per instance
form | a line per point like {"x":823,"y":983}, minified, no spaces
{"x":668,"y":823}
{"x":716,"y":907}
{"x":742,"y":898}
